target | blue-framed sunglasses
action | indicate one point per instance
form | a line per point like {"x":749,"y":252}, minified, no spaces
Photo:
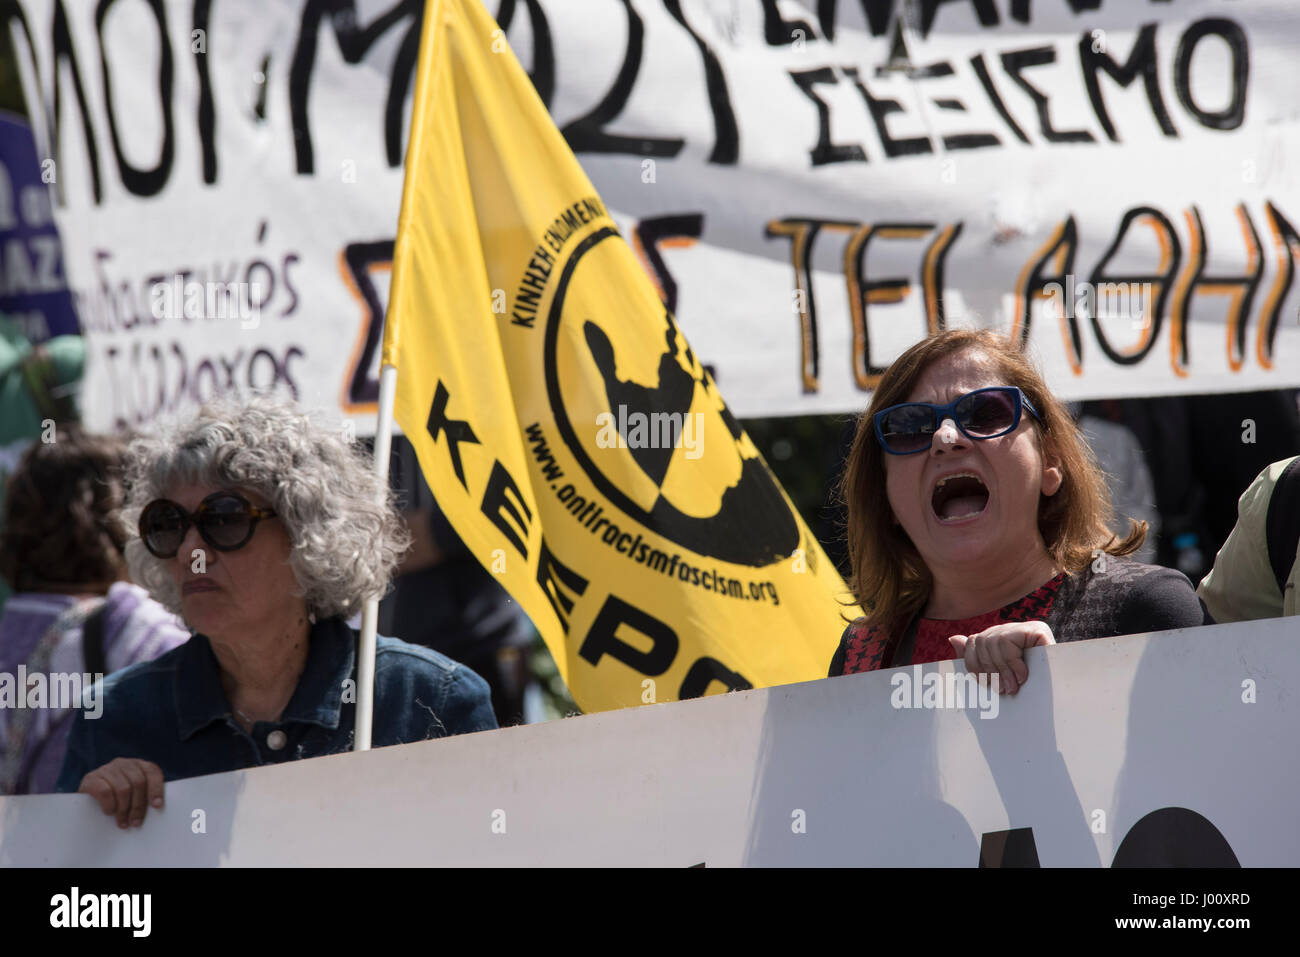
{"x":983,"y":414}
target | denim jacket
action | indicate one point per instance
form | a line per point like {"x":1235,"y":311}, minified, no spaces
{"x":173,"y":710}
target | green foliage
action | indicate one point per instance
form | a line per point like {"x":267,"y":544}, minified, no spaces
{"x":556,"y":700}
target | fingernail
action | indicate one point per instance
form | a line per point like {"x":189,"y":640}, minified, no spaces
{"x":156,"y":802}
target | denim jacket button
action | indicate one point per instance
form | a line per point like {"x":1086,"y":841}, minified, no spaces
{"x":276,"y":740}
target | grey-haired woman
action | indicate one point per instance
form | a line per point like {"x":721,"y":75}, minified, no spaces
{"x":263,"y":530}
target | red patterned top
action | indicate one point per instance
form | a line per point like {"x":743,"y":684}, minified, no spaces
{"x":865,"y":645}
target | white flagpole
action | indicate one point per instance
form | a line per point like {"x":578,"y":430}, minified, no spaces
{"x":370,"y":614}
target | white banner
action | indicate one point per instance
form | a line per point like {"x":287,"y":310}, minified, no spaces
{"x":1108,"y":183}
{"x":1171,"y":748}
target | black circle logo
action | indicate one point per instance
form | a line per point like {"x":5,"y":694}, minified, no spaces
{"x":745,"y":520}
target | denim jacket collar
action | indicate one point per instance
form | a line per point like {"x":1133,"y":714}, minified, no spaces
{"x":318,"y":699}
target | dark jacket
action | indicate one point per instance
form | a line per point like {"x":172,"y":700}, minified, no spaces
{"x":1110,"y":597}
{"x":173,"y":711}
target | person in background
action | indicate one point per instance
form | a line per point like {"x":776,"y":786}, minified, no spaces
{"x":38,"y":393}
{"x":1203,"y":451}
{"x":446,"y":600}
{"x":978,"y":522}
{"x":266,"y":530}
{"x":73,"y":612}
{"x":1122,"y":461}
{"x":1234,"y":436}
{"x":1256,"y":572}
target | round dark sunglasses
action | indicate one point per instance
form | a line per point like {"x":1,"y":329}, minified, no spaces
{"x":225,"y":520}
{"x":983,"y":414}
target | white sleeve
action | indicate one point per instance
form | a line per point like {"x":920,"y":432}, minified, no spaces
{"x":1241,"y":586}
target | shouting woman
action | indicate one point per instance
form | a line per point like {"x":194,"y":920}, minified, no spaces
{"x":978,"y":521}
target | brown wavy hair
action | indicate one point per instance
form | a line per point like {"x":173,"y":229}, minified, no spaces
{"x":887,"y":575}
{"x":62,"y":522}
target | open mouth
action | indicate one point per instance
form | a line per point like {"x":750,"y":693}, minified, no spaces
{"x":958,"y":497}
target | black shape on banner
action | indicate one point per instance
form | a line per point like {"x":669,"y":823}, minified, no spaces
{"x":207,"y":110}
{"x":651,"y":231}
{"x":457,"y":430}
{"x":986,"y":81}
{"x":726,"y":134}
{"x":1011,"y":848}
{"x":707,"y":670}
{"x":672,"y":395}
{"x":1285,"y":238}
{"x":880,"y":108}
{"x":753,"y":525}
{"x":496,"y":506}
{"x":1174,"y":837}
{"x":1015,"y":62}
{"x":550,"y":576}
{"x":65,"y":57}
{"x":825,"y":151}
{"x":1164,"y":282}
{"x":780,"y":32}
{"x":543,"y":71}
{"x":362,"y":387}
{"x":602,"y":638}
{"x":353,"y":42}
{"x":1232,"y":115}
{"x":1141,"y":62}
{"x":142,"y":182}
{"x":587,"y":133}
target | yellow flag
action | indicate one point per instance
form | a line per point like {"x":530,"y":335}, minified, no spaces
{"x":567,"y":430}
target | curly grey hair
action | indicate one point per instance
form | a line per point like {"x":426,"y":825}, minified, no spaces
{"x":345,"y":544}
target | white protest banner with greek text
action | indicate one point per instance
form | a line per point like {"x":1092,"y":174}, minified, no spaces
{"x":813,"y":187}
{"x":1176,"y":747}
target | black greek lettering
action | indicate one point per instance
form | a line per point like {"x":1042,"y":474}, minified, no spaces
{"x":141,"y":182}
{"x":587,"y":133}
{"x":293,"y":352}
{"x":1016,"y":61}
{"x":353,"y":42}
{"x":1232,"y":115}
{"x":726,"y":134}
{"x":825,"y":151}
{"x":543,"y":69}
{"x":275,"y":370}
{"x":1141,"y":60}
{"x":290,"y":259}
